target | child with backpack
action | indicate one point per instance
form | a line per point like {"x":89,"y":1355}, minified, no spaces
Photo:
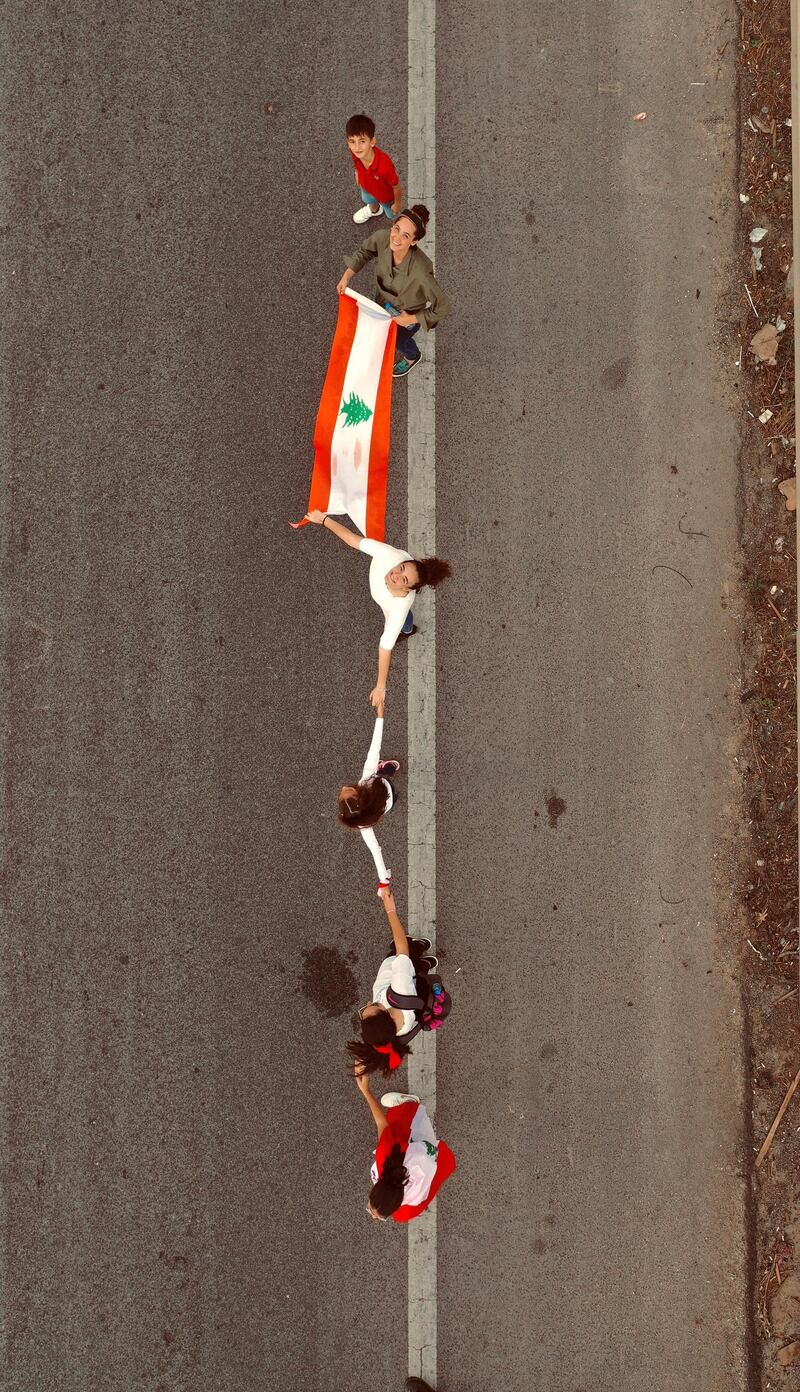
{"x":407,"y":996}
{"x":410,"y":1164}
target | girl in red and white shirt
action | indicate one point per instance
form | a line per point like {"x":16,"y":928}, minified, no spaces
{"x":410,"y":1164}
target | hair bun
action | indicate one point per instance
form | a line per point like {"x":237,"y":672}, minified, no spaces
{"x":421,"y":212}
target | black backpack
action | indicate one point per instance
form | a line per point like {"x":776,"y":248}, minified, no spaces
{"x":431,"y":1007}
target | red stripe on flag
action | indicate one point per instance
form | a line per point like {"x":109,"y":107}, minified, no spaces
{"x":379,"y":444}
{"x":330,"y":402}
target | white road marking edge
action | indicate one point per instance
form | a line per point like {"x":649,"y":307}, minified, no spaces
{"x":421,"y":387}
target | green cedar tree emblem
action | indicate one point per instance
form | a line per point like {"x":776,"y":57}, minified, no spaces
{"x":355,"y":410}
{"x":431,"y":1149}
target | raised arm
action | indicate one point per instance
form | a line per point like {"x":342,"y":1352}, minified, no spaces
{"x":321,"y":519}
{"x":371,"y":840}
{"x":366,"y":252}
{"x":378,"y":1114}
{"x":374,"y":752}
{"x":378,"y":693}
{"x":398,"y":931}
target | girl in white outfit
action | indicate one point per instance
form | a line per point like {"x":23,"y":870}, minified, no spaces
{"x":394,"y":578}
{"x":363,"y":804}
{"x":385,"y":1028}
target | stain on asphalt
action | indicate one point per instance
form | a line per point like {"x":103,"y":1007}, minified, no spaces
{"x":556,"y":807}
{"x":616,"y":374}
{"x":327,"y":980}
{"x":548,"y":1051}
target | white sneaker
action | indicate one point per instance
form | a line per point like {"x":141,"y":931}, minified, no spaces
{"x":365,"y":213}
{"x":396,"y":1099}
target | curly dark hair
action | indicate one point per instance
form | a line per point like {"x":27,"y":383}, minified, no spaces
{"x":432,"y":572}
{"x":379,"y":1028}
{"x":366,"y":807}
{"x":386,"y":1195}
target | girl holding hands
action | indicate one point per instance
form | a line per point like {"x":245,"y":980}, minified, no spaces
{"x":394,"y":579}
{"x":410,"y":1165}
{"x":363,"y":804}
{"x":383,"y":1026}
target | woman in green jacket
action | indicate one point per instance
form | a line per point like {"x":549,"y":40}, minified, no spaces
{"x":406,"y":283}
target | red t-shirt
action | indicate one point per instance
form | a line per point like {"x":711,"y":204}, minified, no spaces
{"x":381,"y":177}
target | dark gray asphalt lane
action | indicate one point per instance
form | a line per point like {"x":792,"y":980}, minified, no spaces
{"x":185,"y":1163}
{"x":187,"y":680}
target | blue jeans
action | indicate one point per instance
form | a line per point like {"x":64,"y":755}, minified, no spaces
{"x":369,"y":198}
{"x":406,"y":344}
{"x":409,"y":623}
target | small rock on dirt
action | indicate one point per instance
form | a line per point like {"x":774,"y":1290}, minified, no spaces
{"x":784,"y":1309}
{"x":764,"y":343}
{"x":789,"y":490}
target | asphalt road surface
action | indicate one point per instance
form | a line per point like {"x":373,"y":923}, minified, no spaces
{"x":186,"y":929}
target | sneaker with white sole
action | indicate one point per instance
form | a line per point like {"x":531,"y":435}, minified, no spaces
{"x":388,"y":767}
{"x":396,"y":1099}
{"x":365,"y":213}
{"x":402,"y":367}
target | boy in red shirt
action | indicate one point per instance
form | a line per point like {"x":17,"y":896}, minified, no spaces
{"x":375,"y":174}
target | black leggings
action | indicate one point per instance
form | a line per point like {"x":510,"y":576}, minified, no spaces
{"x":416,"y":951}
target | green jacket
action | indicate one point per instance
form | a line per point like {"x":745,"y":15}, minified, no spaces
{"x":411,"y":286}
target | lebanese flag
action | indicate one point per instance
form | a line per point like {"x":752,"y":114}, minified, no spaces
{"x":351,"y":436}
{"x":409,"y":1125}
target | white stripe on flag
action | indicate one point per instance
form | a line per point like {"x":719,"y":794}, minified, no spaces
{"x":352,"y":435}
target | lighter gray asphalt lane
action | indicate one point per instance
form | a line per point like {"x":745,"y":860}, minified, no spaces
{"x":187,"y":684}
{"x":597,"y":1080}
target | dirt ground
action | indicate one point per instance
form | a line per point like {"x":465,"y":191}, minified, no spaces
{"x":768,"y":759}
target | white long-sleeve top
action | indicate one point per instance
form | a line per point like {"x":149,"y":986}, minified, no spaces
{"x":369,"y":771}
{"x":395,"y":608}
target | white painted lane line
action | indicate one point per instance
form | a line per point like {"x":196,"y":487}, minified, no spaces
{"x":421,"y":387}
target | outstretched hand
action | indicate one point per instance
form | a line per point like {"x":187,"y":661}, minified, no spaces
{"x":377,"y":696}
{"x":387,"y":896}
{"x":362,"y":1081}
{"x":316,"y":516}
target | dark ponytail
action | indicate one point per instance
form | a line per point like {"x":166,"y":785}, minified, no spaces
{"x":386,"y":1195}
{"x":366,"y":806}
{"x":377,"y":1029}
